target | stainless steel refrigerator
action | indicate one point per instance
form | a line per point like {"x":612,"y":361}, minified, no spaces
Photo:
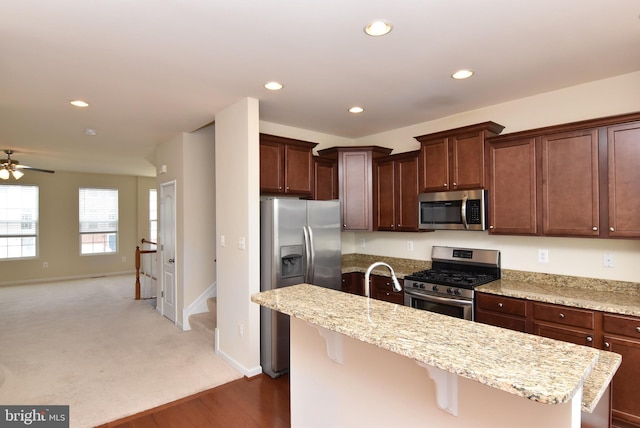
{"x":299,"y":243}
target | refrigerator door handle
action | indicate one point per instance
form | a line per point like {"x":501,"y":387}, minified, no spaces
{"x":310,"y":254}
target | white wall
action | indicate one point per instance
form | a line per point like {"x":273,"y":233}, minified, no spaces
{"x":237,"y":217}
{"x":568,"y":256}
{"x":189,"y":159}
{"x":199,"y":213}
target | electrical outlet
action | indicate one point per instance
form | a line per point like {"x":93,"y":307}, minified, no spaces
{"x":242,"y":243}
{"x":608,"y":260}
{"x":45,"y":265}
{"x":222,"y":243}
{"x":124,"y":259}
{"x":409,"y":245}
{"x":543,"y":256}
{"x":241,"y":330}
{"x":363,"y":242}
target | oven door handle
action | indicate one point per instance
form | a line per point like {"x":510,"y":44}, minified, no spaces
{"x":441,"y":299}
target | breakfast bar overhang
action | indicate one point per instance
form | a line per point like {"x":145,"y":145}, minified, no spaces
{"x":354,"y":362}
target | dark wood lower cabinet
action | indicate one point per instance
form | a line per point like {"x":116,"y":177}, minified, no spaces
{"x":381,"y":288}
{"x":611,"y":332}
{"x":565,"y":334}
{"x":501,"y":311}
{"x":353,"y":282}
{"x":626,"y":400}
{"x":622,"y":336}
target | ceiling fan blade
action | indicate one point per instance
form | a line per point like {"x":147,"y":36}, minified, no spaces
{"x":34,"y":169}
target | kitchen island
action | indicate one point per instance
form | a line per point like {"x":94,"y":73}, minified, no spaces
{"x":380,"y":364}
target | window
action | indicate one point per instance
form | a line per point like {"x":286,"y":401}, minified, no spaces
{"x":153,"y":215}
{"x":18,"y":221}
{"x":98,"y":221}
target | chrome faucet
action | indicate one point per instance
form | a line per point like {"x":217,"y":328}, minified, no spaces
{"x":396,"y":284}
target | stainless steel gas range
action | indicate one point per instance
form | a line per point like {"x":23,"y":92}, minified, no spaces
{"x":448,"y":287}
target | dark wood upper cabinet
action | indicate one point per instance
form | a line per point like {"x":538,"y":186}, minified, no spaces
{"x":512,"y":176}
{"x":396,"y":188}
{"x":286,"y":166}
{"x":623,"y":162}
{"x":578,"y":179}
{"x":355,"y":183}
{"x":570,"y":177}
{"x":454,"y":159}
{"x":325,"y":178}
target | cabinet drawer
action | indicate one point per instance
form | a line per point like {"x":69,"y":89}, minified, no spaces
{"x":501,"y":304}
{"x":564,"y":315}
{"x":618,"y":324}
{"x":504,"y":321}
{"x":585,"y":338}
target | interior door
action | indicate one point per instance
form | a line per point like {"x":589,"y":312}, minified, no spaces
{"x":167,"y":233}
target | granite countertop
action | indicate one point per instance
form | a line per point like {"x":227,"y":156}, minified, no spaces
{"x":618,"y":297}
{"x":614,"y":300}
{"x":537,"y":368}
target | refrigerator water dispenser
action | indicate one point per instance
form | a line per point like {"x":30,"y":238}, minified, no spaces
{"x":291,"y":263}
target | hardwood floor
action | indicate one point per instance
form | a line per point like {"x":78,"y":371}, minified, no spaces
{"x":257,"y":402}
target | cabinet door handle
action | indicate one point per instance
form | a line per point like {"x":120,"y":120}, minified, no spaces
{"x":613,"y":229}
{"x":455,"y":184}
{"x":594,"y":228}
{"x":607,"y":345}
{"x":561,"y":315}
{"x":589,"y":339}
{"x":500,"y":305}
{"x":446,"y":185}
{"x":490,"y":227}
{"x":638,"y":329}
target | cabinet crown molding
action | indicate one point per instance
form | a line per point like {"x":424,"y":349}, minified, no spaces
{"x":491,"y":127}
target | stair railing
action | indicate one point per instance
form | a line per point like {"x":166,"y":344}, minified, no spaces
{"x":146,"y":266}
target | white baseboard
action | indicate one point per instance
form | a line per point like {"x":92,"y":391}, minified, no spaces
{"x":68,"y":278}
{"x":248,"y":372}
{"x":198,"y":306}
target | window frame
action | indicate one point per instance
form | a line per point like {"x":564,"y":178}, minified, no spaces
{"x":82,"y":222}
{"x":36,"y":225}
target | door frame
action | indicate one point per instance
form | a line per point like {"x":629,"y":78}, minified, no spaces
{"x":161,"y":234}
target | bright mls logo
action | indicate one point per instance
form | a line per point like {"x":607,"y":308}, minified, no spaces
{"x":34,"y":416}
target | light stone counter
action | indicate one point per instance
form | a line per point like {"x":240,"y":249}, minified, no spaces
{"x":537,"y":368}
{"x":613,"y":300}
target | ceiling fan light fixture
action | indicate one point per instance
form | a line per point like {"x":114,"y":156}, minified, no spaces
{"x":79,"y":103}
{"x":4,"y":174}
{"x":17,"y":174}
{"x":356,"y":109}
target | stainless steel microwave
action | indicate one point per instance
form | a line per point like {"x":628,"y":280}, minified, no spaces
{"x":453,"y":210}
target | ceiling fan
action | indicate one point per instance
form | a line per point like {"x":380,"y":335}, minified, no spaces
{"x":10,"y":167}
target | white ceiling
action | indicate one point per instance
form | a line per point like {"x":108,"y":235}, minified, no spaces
{"x":152,"y":69}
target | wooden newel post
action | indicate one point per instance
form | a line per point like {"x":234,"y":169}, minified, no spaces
{"x":137,"y":273}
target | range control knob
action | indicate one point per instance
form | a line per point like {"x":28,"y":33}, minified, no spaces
{"x":415,"y":285}
{"x":434,"y":288}
{"x":457,"y":292}
{"x":449,"y":290}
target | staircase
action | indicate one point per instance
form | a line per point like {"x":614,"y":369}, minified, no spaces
{"x":205,"y":322}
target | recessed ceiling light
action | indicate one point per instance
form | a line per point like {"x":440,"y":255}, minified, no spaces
{"x":90,"y":131}
{"x":462,"y":74}
{"x":273,"y":86}
{"x":79,"y":103}
{"x":356,"y":109}
{"x":379,"y":27}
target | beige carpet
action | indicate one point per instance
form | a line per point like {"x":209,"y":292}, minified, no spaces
{"x":88,"y":344}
